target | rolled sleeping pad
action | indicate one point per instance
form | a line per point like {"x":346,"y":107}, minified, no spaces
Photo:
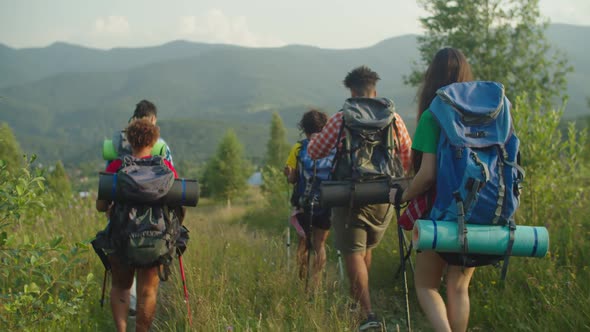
{"x":442,"y":236}
{"x":184,"y":192}
{"x":337,"y":193}
{"x":109,"y":152}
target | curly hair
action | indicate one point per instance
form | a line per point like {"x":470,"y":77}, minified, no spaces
{"x":312,"y":122}
{"x":361,"y":80}
{"x":142,"y":133}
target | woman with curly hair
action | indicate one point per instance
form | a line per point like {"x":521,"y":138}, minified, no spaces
{"x":308,"y":218}
{"x":142,"y":135}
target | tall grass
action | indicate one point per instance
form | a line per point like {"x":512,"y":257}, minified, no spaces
{"x":239,"y":279}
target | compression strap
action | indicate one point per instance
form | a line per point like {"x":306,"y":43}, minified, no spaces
{"x":114,"y":189}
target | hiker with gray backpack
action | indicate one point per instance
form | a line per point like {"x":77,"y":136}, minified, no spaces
{"x":465,"y":155}
{"x":372,"y":144}
{"x":119,"y":146}
{"x":143,"y":232}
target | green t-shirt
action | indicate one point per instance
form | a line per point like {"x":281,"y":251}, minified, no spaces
{"x":427,"y":134}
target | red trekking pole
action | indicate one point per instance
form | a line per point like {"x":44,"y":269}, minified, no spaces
{"x":183,"y":276}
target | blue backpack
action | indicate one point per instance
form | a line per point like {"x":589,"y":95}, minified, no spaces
{"x":311,"y":174}
{"x":478,"y":176}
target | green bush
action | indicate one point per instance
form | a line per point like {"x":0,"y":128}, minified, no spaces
{"x":40,"y":284}
{"x":551,"y":293}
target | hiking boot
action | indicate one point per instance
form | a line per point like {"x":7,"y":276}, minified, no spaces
{"x":371,"y":323}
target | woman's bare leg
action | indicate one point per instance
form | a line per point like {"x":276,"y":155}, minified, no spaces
{"x":147,"y":291}
{"x":427,"y":279}
{"x":458,"y":279}
{"x":121,"y":283}
{"x":319,"y":245}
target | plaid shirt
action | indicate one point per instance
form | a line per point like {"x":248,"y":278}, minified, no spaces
{"x":321,"y":143}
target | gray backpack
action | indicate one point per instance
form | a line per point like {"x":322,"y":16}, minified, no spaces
{"x":144,"y":180}
{"x":368,"y":129}
{"x":143,"y":230}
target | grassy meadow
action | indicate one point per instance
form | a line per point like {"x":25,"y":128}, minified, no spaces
{"x":236,"y":262}
{"x":238,"y":278}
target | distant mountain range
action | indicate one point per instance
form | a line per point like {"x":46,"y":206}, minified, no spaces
{"x":61,"y":100}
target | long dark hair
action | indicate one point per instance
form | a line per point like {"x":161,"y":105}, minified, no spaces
{"x":448,"y":66}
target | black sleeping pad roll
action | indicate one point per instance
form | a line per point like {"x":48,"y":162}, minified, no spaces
{"x":184,"y":192}
{"x":337,"y":193}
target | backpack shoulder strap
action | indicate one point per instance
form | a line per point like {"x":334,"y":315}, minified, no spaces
{"x":300,"y":166}
{"x":126,"y":161}
{"x":302,"y":148}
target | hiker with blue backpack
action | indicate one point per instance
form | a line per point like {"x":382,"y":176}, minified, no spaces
{"x":372,"y":144}
{"x":465,"y":158}
{"x":311,"y":222}
{"x":142,"y":234}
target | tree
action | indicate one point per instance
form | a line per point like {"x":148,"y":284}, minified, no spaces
{"x":227,"y":171}
{"x":59,"y":182}
{"x":277,"y":147}
{"x":504,"y":41}
{"x":10,"y":151}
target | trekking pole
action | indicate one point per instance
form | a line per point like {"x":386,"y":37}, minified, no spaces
{"x":309,"y":247}
{"x":288,"y":235}
{"x":104,"y":286}
{"x":183,"y":276}
{"x":107,"y":266}
{"x":408,"y":256}
{"x":340,"y":266}
{"x":309,"y":231}
{"x":402,"y":255}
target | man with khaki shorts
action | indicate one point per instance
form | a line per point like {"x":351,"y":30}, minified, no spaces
{"x":361,"y":228}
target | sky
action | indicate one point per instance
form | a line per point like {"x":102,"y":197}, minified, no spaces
{"x":256,"y":23}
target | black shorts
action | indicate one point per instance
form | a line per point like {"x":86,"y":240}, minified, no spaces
{"x":470,"y":260}
{"x":321,"y":221}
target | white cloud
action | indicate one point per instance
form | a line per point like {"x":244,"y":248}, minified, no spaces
{"x":217,"y":27}
{"x":114,"y":25}
{"x":566,"y":11}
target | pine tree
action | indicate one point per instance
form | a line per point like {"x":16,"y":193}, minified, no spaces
{"x":58,"y":181}
{"x":504,"y":41}
{"x":277,"y":148}
{"x":227,"y":171}
{"x":10,"y":151}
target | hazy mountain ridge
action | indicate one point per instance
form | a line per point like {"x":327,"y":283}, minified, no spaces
{"x":91,"y":92}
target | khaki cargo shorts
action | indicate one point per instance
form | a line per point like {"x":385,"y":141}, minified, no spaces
{"x":361,"y":228}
